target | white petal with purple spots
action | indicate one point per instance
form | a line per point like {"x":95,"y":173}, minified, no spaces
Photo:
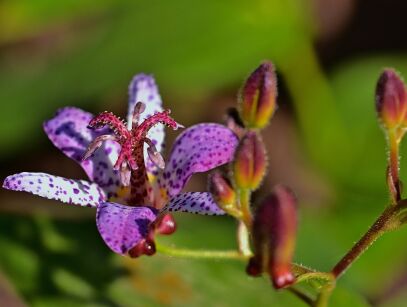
{"x":143,"y":88}
{"x":194,"y":202}
{"x":198,"y":149}
{"x":122,"y":227}
{"x":75,"y":192}
{"x":68,"y":131}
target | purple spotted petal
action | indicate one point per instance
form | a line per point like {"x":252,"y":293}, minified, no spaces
{"x":143,"y":88}
{"x":194,"y":202}
{"x":122,"y":227}
{"x":75,"y":192}
{"x":198,"y":149}
{"x":68,"y":131}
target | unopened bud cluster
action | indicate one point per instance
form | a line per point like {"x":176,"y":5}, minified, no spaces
{"x":273,"y":225}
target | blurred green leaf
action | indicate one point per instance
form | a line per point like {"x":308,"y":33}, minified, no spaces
{"x":19,"y":262}
{"x":73,"y":285}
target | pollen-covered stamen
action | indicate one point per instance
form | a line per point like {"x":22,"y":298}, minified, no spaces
{"x":154,"y":154}
{"x":113,"y":122}
{"x":96,"y":143}
{"x":138,"y":109}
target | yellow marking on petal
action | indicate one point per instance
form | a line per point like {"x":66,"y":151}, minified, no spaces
{"x":164,"y":195}
{"x":151,"y":178}
{"x":122,"y":194}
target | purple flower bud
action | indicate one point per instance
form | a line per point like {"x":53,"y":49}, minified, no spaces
{"x":250,"y":162}
{"x":391,"y":99}
{"x":258,"y":96}
{"x":274,"y":234}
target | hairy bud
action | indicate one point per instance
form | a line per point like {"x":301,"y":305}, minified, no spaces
{"x":221,"y":189}
{"x":223,"y":193}
{"x":250,"y":162}
{"x":391,"y":99}
{"x":258,"y":96}
{"x":274,"y":234}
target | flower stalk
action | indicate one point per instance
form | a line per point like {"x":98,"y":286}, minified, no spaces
{"x":393,"y":180}
{"x":384,"y":223}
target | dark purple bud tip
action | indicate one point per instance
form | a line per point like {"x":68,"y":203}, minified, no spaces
{"x":149,"y":248}
{"x":166,"y":225}
{"x":391,"y":99}
{"x":258,"y":96}
{"x":254,"y":267}
{"x":144,"y":247}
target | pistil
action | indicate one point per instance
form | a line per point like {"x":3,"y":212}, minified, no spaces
{"x":131,"y":157}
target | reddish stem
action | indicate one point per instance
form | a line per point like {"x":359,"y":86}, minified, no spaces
{"x":374,"y":232}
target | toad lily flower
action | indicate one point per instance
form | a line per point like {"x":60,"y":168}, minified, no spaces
{"x":130,"y":193}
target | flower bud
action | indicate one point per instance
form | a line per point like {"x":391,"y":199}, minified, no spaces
{"x":258,"y":96}
{"x":274,"y":233}
{"x":221,"y":189}
{"x":223,"y":193}
{"x":250,"y":162}
{"x":391,"y":99}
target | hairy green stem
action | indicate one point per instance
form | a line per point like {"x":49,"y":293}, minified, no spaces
{"x":213,"y":254}
{"x":394,"y":183}
{"x":200,"y":254}
{"x":324,"y":294}
{"x":244,"y":203}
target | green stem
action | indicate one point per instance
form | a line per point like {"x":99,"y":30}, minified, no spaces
{"x":324,"y":295}
{"x":243,"y":240}
{"x":244,"y":202}
{"x":200,"y":254}
{"x":208,"y":254}
{"x":315,"y":275}
{"x":394,"y":188}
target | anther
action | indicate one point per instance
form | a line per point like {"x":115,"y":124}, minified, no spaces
{"x":96,"y":143}
{"x":154,"y":154}
{"x":139,"y":108}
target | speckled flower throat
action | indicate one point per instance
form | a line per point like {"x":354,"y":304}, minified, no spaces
{"x":131,"y":137}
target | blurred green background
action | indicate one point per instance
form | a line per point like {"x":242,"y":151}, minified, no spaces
{"x":324,"y":141}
